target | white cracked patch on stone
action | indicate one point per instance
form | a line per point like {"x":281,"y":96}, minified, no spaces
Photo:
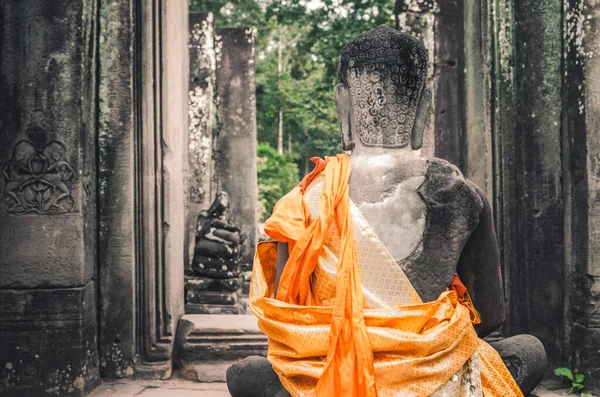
{"x":404,"y":233}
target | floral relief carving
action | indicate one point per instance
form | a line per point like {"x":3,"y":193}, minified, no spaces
{"x":38,"y":181}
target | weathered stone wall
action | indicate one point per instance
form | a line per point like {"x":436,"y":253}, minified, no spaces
{"x":202,"y":120}
{"x":48,"y":341}
{"x":235,"y":139}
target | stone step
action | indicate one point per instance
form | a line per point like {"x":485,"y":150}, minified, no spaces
{"x":207,"y":344}
{"x":159,"y":388}
{"x":547,"y":389}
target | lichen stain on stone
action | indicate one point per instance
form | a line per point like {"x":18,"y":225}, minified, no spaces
{"x":575,"y":35}
{"x":110,"y":59}
{"x":121,"y":368}
{"x":505,"y":43}
{"x":218,"y":48}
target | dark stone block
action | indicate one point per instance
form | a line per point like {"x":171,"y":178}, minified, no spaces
{"x":48,"y":342}
{"x":254,"y":377}
{"x":525,"y":358}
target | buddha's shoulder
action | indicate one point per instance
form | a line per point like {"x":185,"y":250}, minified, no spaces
{"x":444,"y":182}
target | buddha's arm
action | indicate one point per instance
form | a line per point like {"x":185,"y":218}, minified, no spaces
{"x":479,"y":270}
{"x":282,"y":257}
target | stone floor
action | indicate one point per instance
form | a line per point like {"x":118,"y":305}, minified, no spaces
{"x":186,"y":388}
{"x":157,"y":388}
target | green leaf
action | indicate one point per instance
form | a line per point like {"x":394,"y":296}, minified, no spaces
{"x":577,"y":387}
{"x":579,"y":378}
{"x":566,"y":372}
{"x":585,"y":395}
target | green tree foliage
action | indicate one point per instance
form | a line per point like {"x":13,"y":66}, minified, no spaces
{"x":297,"y":82}
{"x":277,"y":175}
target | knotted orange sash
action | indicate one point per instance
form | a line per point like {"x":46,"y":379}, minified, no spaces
{"x":345,"y":350}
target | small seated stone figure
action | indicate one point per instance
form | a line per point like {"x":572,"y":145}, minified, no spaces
{"x":216,"y":253}
{"x":214,"y":284}
{"x":435,"y":226}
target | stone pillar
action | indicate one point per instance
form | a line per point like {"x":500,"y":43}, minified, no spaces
{"x":202,"y":119}
{"x":235,"y":146}
{"x":48,"y":330}
{"x":582,"y":144}
{"x":117,"y":207}
{"x":504,"y":122}
{"x":535,"y":279}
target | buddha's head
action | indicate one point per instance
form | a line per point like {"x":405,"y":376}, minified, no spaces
{"x":382,"y":100}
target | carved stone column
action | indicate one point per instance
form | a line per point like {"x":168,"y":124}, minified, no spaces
{"x":48,"y":331}
{"x":143,"y":143}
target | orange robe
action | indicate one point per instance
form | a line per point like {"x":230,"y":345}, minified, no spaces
{"x":344,"y":349}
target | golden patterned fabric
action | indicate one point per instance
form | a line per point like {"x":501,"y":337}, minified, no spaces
{"x":410,"y":348}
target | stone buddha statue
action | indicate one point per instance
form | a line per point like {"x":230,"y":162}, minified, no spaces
{"x":433,"y":222}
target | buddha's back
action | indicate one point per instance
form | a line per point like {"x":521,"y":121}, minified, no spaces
{"x":424,"y":219}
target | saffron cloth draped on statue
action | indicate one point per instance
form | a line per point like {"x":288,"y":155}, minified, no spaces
{"x":346,"y":322}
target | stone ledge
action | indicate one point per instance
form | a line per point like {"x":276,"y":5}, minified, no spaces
{"x":542,"y":391}
{"x":207,"y":344}
{"x":552,"y":386}
{"x":173,"y":387}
